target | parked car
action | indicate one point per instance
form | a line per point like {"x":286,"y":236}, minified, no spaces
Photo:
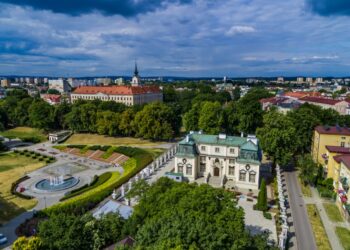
{"x":3,"y":239}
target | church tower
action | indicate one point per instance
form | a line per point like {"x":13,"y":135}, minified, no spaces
{"x":136,"y":80}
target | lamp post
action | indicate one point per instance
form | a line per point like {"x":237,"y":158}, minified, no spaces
{"x":45,"y":201}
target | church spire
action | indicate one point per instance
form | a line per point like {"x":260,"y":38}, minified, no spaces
{"x":136,"y":72}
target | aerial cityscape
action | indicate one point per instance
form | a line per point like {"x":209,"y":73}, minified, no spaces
{"x":174,"y":125}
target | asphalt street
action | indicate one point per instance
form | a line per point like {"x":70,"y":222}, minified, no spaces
{"x":301,"y":224}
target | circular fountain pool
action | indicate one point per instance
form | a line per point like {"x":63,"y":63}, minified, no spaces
{"x":50,"y":185}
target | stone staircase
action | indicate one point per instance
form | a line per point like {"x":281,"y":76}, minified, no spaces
{"x":215,"y":181}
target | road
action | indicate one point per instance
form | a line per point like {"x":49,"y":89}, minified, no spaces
{"x":301,"y":224}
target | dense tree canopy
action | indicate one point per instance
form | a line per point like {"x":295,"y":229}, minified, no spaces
{"x":175,"y":215}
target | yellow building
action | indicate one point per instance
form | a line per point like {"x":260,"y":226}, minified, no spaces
{"x":328,"y":136}
{"x":332,"y":161}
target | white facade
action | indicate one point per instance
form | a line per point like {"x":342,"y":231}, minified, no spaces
{"x":198,"y":157}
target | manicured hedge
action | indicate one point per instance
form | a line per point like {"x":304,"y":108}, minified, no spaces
{"x":14,"y":188}
{"x":97,"y":181}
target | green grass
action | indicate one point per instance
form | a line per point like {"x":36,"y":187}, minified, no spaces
{"x":344,"y":237}
{"x":94,"y":139}
{"x":100,"y":180}
{"x":305,"y":190}
{"x":333,"y":212}
{"x":12,"y":167}
{"x":25,"y":134}
{"x":321,"y":237}
{"x":89,"y":199}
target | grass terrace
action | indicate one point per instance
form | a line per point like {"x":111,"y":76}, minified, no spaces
{"x":321,"y":237}
{"x":333,"y":212}
{"x":305,"y":190}
{"x":13,"y":167}
{"x":88,"y":198}
{"x":94,"y":139}
{"x":25,"y":134}
{"x":344,"y":236}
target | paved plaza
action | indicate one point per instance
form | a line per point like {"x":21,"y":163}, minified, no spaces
{"x":255,"y":221}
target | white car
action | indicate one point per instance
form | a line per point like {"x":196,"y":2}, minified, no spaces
{"x":3,"y":239}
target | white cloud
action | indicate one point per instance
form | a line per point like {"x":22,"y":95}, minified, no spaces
{"x":235,"y":30}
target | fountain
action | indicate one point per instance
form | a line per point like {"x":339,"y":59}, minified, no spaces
{"x":57,"y":183}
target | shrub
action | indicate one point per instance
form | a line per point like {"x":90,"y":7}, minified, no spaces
{"x":105,"y":148}
{"x":95,"y":147}
{"x":76,"y":146}
{"x":26,"y":150}
{"x":262,"y":197}
{"x":97,"y":181}
{"x":267,"y":215}
{"x":48,"y":161}
{"x":89,"y":199}
{"x":21,"y":153}
{"x":34,"y":157}
{"x":14,"y":186}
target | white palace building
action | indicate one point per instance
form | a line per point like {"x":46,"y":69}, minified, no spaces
{"x":230,"y":160}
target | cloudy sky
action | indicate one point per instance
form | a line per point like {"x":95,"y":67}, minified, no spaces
{"x":237,"y":38}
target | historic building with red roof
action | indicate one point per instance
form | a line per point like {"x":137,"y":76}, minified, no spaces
{"x":129,"y":95}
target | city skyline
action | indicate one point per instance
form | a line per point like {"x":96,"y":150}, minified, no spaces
{"x":188,"y":38}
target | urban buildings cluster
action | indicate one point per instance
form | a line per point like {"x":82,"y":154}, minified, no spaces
{"x":331,"y":149}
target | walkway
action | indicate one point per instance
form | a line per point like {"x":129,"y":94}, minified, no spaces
{"x":328,"y":224}
{"x":304,"y":234}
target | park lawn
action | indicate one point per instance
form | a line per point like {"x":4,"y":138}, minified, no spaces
{"x":321,"y":237}
{"x":94,"y":139}
{"x":12,"y":167}
{"x":344,"y":236}
{"x":333,"y":212}
{"x":24,"y":133}
{"x":305,"y":190}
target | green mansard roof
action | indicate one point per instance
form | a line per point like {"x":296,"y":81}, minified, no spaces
{"x":233,"y":141}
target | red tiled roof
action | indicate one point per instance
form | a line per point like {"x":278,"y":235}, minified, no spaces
{"x":345,"y":159}
{"x":299,"y":94}
{"x":338,"y":149}
{"x":273,"y":100}
{"x":117,"y":90}
{"x":334,"y":130}
{"x":319,"y":100}
{"x":52,"y":97}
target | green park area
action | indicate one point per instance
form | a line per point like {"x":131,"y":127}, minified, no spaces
{"x":86,"y":198}
{"x":95,"y":139}
{"x":12,"y":167}
{"x":305,"y":189}
{"x":321,"y":238}
{"x":333,"y":212}
{"x":25,"y":134}
{"x":344,"y":236}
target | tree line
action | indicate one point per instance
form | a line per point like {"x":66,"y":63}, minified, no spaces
{"x":155,"y":121}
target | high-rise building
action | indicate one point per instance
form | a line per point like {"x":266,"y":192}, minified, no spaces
{"x":300,"y":80}
{"x":60,"y":84}
{"x":319,"y":80}
{"x":280,"y":79}
{"x":309,"y":80}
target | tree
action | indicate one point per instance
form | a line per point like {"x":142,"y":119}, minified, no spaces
{"x":231,"y":116}
{"x":236,"y":93}
{"x":278,"y":137}
{"x":156,"y":121}
{"x":41,"y":115}
{"x":138,"y":190}
{"x":262,"y":197}
{"x":53,"y":92}
{"x":126,"y":122}
{"x":210,"y":117}
{"x":60,"y":112}
{"x":304,"y":120}
{"x":23,"y":243}
{"x":174,"y":215}
{"x":108,"y":123}
{"x":308,"y":169}
{"x":190,"y":119}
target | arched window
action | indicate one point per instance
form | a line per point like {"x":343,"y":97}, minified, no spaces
{"x":242,"y":175}
{"x":180,"y":168}
{"x":231,"y":170}
{"x":252,"y":175}
{"x":189,"y":169}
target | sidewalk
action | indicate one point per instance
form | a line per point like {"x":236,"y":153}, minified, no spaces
{"x":327,"y":223}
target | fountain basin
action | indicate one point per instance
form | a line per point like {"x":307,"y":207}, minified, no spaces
{"x":47,"y":185}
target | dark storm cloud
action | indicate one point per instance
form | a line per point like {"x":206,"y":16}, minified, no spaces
{"x":330,"y":7}
{"x":125,"y":8}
